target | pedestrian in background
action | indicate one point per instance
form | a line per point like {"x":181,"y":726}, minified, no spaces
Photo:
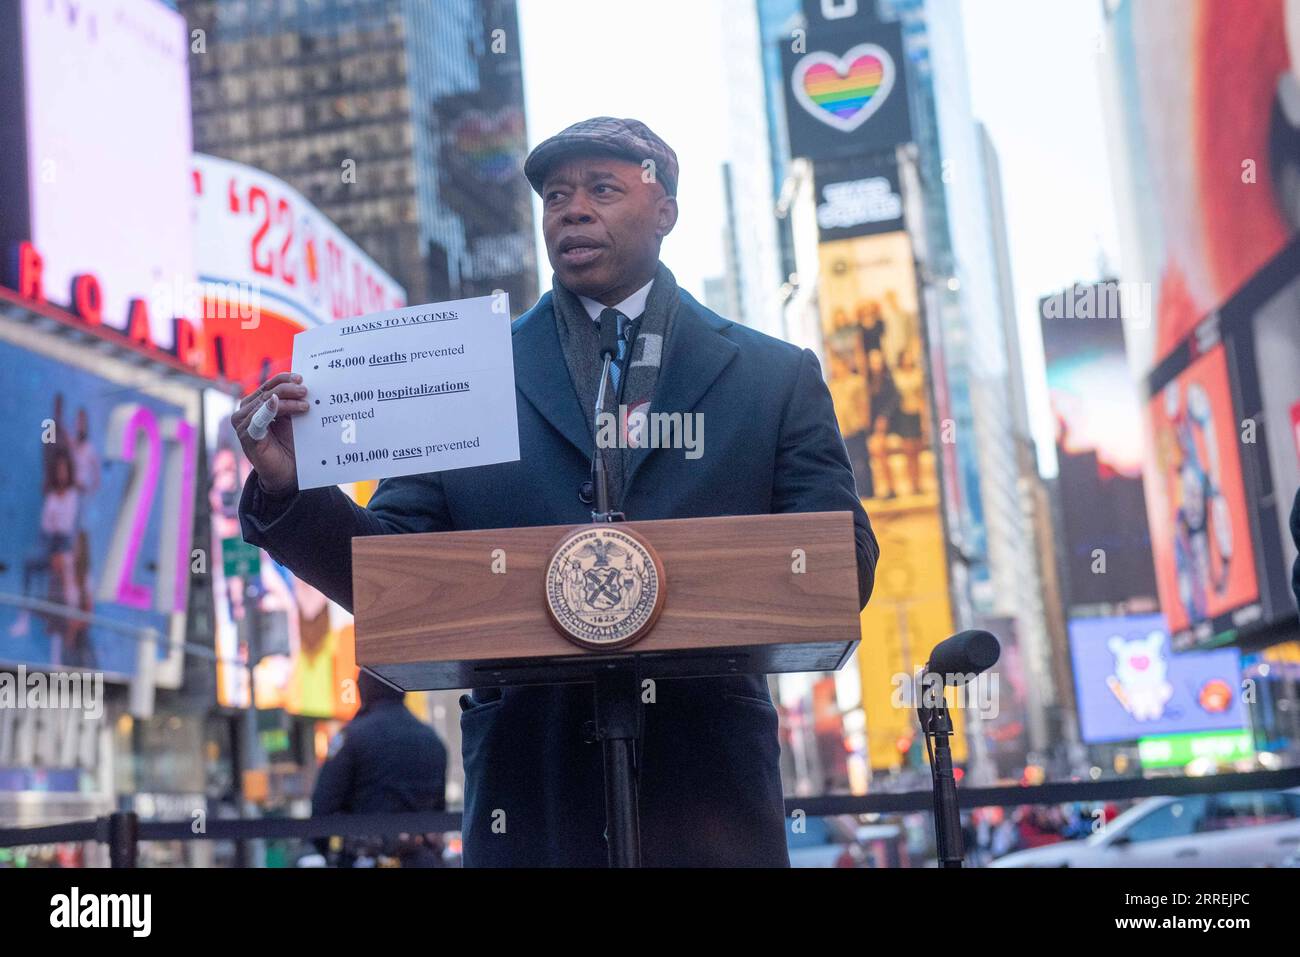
{"x":385,"y":760}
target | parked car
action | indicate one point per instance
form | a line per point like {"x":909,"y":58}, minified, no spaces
{"x":1241,"y":829}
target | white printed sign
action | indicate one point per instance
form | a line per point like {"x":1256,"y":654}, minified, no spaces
{"x":421,"y":389}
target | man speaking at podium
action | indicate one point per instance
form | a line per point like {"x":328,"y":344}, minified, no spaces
{"x":708,"y":764}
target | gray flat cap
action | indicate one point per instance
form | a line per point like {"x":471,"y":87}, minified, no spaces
{"x":627,"y":139}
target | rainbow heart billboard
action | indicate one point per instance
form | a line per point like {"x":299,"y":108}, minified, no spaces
{"x":844,"y":92}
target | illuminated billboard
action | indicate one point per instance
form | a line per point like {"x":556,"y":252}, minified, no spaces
{"x":846,"y":90}
{"x":1006,"y":727}
{"x":858,"y":197}
{"x":1214,"y":204}
{"x":1203,"y":549}
{"x":1212,"y":191}
{"x":1266,"y":355}
{"x":1099,"y":449}
{"x":105,"y":128}
{"x":254,"y":232}
{"x":98,"y":511}
{"x":875,"y":369}
{"x":270,"y":264}
{"x":306,"y":659}
{"x":1130,"y":684}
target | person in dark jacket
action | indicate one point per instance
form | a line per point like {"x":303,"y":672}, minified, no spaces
{"x":708,"y":760}
{"x":385,"y":759}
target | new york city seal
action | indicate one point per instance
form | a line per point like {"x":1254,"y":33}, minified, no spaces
{"x":604,"y":586}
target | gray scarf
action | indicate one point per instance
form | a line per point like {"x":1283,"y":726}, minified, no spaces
{"x":580,"y":341}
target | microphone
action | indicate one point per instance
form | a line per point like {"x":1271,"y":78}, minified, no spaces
{"x":953,"y":661}
{"x":607,"y":323}
{"x":964,"y":655}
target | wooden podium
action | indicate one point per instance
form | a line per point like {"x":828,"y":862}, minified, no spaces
{"x":750,"y":594}
{"x":753,"y":594}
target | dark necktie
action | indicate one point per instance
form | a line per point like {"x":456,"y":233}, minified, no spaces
{"x":624,"y":325}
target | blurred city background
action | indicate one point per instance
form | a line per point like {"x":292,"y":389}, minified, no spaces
{"x":1045,"y":252}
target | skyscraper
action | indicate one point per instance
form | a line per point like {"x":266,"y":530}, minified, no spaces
{"x":776,"y":20}
{"x":752,"y":241}
{"x":402,"y":121}
{"x":969,"y":278}
{"x":946,"y":172}
{"x":1020,"y":590}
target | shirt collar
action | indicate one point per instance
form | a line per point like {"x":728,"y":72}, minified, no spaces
{"x":631,"y":307}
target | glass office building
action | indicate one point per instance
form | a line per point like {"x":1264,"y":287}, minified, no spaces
{"x":988,"y":479}
{"x":402,"y":121}
{"x":989,"y":524}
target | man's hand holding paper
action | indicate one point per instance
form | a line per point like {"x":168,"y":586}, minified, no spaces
{"x":414,"y":390}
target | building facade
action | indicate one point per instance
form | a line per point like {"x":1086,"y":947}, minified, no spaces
{"x":402,"y":121}
{"x":947,"y":174}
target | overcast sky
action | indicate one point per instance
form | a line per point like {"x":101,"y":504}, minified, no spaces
{"x":658,"y":62}
{"x":1035,"y":85}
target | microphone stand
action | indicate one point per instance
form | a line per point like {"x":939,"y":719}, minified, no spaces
{"x":958,"y":659}
{"x":618,"y":697}
{"x":936,"y":725}
{"x":600,"y":471}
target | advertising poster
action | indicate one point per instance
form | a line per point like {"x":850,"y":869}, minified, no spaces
{"x":1130,"y":684}
{"x":1216,"y":191}
{"x":875,"y":369}
{"x":1006,"y":731}
{"x":858,"y":197}
{"x":98,"y":512}
{"x":846,"y":91}
{"x":106,"y":187}
{"x":307,"y":662}
{"x":1215,"y":197}
{"x":270,"y":264}
{"x":1264,"y":343}
{"x":1099,"y":448}
{"x":909,"y":613}
{"x":1201,"y":535}
{"x":256,"y":237}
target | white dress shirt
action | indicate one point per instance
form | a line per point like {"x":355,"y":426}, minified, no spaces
{"x":631,"y":307}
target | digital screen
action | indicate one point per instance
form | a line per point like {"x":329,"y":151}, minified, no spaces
{"x":1200,"y":520}
{"x":1130,"y":684}
{"x":304,"y":642}
{"x":107,"y":101}
{"x":846,"y":92}
{"x":876,"y":372}
{"x":1213,"y":189}
{"x":98,"y":512}
{"x":1267,"y":354}
{"x":1099,"y":448}
{"x":1215,"y":208}
{"x":258,"y":243}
